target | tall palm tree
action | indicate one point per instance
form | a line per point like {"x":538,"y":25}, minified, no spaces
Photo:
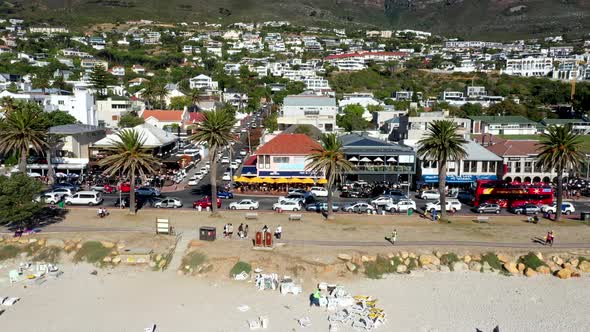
{"x":560,"y":149}
{"x":329,"y":159}
{"x":130,"y":158}
{"x":160,"y":92}
{"x":23,"y":129}
{"x":442,"y":143}
{"x":149,"y":94}
{"x":215,"y":132}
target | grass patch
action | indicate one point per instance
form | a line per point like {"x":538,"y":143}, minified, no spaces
{"x":30,"y":249}
{"x":492,"y":260}
{"x":381,"y":266}
{"x":531,"y":260}
{"x":48,"y":254}
{"x":92,"y":252}
{"x":582,"y":259}
{"x":240,"y":267}
{"x":449,"y":259}
{"x":8,"y":252}
{"x":193,"y":260}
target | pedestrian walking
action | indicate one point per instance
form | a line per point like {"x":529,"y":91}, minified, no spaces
{"x":393,"y":237}
{"x":278,"y":232}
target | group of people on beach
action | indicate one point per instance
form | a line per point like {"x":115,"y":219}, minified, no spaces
{"x":278,"y":231}
{"x":228,"y":231}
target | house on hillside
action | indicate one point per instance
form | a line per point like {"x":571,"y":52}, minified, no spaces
{"x":203,"y":82}
{"x":165,"y":118}
{"x":318,"y":111}
{"x":503,"y":125}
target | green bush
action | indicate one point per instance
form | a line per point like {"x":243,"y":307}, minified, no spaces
{"x":413,"y":264}
{"x":381,"y":266}
{"x":449,"y":259}
{"x":48,"y":255}
{"x":7,"y":252}
{"x":92,"y":252}
{"x":240,"y":267}
{"x":193,"y":260}
{"x":531,"y":260}
{"x":492,"y":260}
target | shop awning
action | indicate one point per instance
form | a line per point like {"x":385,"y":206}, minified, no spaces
{"x":256,"y":180}
{"x":322,"y":181}
{"x":282,"y":180}
{"x":307,"y":181}
{"x":295,"y":180}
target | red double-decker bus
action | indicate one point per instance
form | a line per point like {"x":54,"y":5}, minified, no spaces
{"x":508,"y":194}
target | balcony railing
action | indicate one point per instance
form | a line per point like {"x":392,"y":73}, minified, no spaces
{"x":383,"y":169}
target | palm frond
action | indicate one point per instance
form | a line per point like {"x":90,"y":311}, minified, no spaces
{"x":442,"y":142}
{"x":129,"y":155}
{"x":329,"y":159}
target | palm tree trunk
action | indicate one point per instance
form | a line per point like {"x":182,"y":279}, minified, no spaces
{"x":213,"y":174}
{"x":559,"y":194}
{"x":330,"y":215}
{"x":442,"y":177}
{"x":132,"y":192}
{"x":22,"y":164}
{"x":50,"y":173}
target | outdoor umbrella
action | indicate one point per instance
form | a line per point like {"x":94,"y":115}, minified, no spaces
{"x":365,"y":159}
{"x":378,"y":159}
{"x":307,"y":181}
{"x":391,"y":159}
{"x":322,"y":181}
{"x":282,"y":180}
{"x":353,"y":159}
{"x":256,"y":180}
{"x":242,"y":179}
{"x":295,"y":180}
{"x":269,"y":180}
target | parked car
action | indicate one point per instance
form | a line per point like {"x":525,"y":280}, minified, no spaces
{"x":89,"y":198}
{"x":62,"y":191}
{"x":71,"y":186}
{"x":452,"y":204}
{"x":525,"y":209}
{"x":403,"y":205}
{"x":193,"y":181}
{"x":49,"y":198}
{"x":382,"y":201}
{"x":286,"y":206}
{"x":124,"y":187}
{"x":234,"y":165}
{"x":319,"y":191}
{"x":204,"y":170}
{"x":169,"y":202}
{"x":225,"y":194}
{"x":359,"y":207}
{"x":295,"y":197}
{"x":238,"y":160}
{"x":225,"y":160}
{"x":226,"y":176}
{"x":321,"y":206}
{"x":465,"y":196}
{"x":147,"y":191}
{"x":245,"y":204}
{"x":353,"y":194}
{"x":205,"y":202}
{"x":395,"y":194}
{"x":106,"y":188}
{"x":566,"y":208}
{"x":488,"y":208}
{"x":297,"y":191}
{"x":243,"y":152}
{"x":430,"y":194}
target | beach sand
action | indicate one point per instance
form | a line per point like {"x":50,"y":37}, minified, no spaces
{"x":128,"y":299}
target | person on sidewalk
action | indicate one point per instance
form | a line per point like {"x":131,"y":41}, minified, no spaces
{"x":393,"y":237}
{"x":278,"y":232}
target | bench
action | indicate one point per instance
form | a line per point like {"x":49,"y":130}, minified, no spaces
{"x":295,"y":217}
{"x":251,"y":216}
{"x":163,"y":226}
{"x":481,"y":219}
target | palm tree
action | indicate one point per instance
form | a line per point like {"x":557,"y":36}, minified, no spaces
{"x":160,"y":93}
{"x":215,"y":132}
{"x":442,"y":143}
{"x":329,"y":159}
{"x":130,"y":158}
{"x":560,"y":149}
{"x":149,"y":94}
{"x":22,"y":129}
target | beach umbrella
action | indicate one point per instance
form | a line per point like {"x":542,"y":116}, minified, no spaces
{"x":365,"y":160}
{"x":322,"y":181}
{"x":391,"y":159}
{"x":256,"y":180}
{"x":295,"y":180}
{"x":282,"y":180}
{"x":378,"y":159}
{"x":307,"y":181}
{"x":353,"y":159}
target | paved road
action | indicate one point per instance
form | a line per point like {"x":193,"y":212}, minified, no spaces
{"x":384,"y":243}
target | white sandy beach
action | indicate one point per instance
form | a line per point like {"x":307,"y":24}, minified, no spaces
{"x":428,"y":301}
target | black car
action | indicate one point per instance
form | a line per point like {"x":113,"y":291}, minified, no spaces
{"x":488,"y":208}
{"x":353,"y":194}
{"x":320,"y":206}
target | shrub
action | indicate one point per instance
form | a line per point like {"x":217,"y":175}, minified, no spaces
{"x":413,"y":264}
{"x":48,"y":254}
{"x":531,"y":260}
{"x":7,"y":252}
{"x":92,"y":252}
{"x":193,"y":260}
{"x":381,"y":266}
{"x":449,"y":259}
{"x":240,"y":267}
{"x":492,"y":260}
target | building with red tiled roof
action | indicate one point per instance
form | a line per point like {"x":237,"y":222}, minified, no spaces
{"x":520,"y":161}
{"x":195,"y":117}
{"x":285,"y":156}
{"x":161,"y":118}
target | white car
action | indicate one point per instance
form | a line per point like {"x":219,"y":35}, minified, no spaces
{"x":233,"y":165}
{"x":566,"y":207}
{"x":451,"y":205}
{"x":62,"y":191}
{"x":225,"y":160}
{"x":238,"y":160}
{"x":49,"y":198}
{"x":382,"y":201}
{"x":204,"y":170}
{"x":243,"y":152}
{"x":226,"y":176}
{"x":403,"y":205}
{"x":170,"y":202}
{"x":245,"y":204}
{"x":319,"y":191}
{"x":208,"y":165}
{"x":89,"y":198}
{"x":286,"y":206}
{"x":430,"y":194}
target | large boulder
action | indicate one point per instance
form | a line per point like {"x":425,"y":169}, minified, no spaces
{"x":539,"y":255}
{"x":557,"y":260}
{"x":584,"y":266}
{"x":475,"y":266}
{"x":444,"y":268}
{"x":404,"y":254}
{"x":544,"y":269}
{"x":426,"y":260}
{"x":564,"y":273}
{"x":467,"y":259}
{"x":55,"y":243}
{"x":108,"y":244}
{"x":574,"y":262}
{"x":503,"y":258}
{"x":511,"y":267}
{"x":521,"y":267}
{"x":116,"y":260}
{"x":460,"y":267}
{"x":345,"y":257}
{"x":487,"y":267}
{"x":401,"y":268}
{"x":107,"y":259}
{"x":530,"y":272}
{"x":350,"y":266}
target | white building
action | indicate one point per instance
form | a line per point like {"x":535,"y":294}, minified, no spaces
{"x":503,"y":125}
{"x":417,"y":127}
{"x":529,"y":66}
{"x":110,"y":111}
{"x":317,"y":83}
{"x":319,"y":111}
{"x":80,"y":105}
{"x":203,"y":82}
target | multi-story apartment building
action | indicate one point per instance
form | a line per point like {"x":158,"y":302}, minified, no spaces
{"x":319,"y":111}
{"x":529,"y":66}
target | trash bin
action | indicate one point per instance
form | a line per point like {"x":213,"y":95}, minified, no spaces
{"x":258,"y":241}
{"x":61,"y":204}
{"x":207,"y":233}
{"x":267,"y":239}
{"x":585,"y":216}
{"x":410,"y":211}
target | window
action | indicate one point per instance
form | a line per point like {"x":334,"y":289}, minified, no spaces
{"x":538,"y":167}
{"x":473,"y":168}
{"x":528,"y":167}
{"x":465,"y":166}
{"x":451,"y":166}
{"x":492,"y":167}
{"x":426,"y":164}
{"x":60,"y":102}
{"x":517,"y":168}
{"x":509,"y":164}
{"x":484,"y":166}
{"x":115,"y":117}
{"x":280,"y":160}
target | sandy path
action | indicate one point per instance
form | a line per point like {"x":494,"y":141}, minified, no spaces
{"x":131,"y":300}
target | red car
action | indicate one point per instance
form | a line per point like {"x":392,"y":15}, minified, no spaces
{"x":205,"y":202}
{"x":109,"y":189}
{"x":124,"y":187}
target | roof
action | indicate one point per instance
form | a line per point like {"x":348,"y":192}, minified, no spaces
{"x":564,"y":121}
{"x":502,"y":119}
{"x":363,"y":143}
{"x":163,"y":115}
{"x":73,"y":129}
{"x":153,"y":136}
{"x":306,"y":100}
{"x":289,"y":145}
{"x":314,"y":132}
{"x":475,"y":151}
{"x":515,"y":148}
{"x":354,"y":55}
{"x":194,"y":117}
